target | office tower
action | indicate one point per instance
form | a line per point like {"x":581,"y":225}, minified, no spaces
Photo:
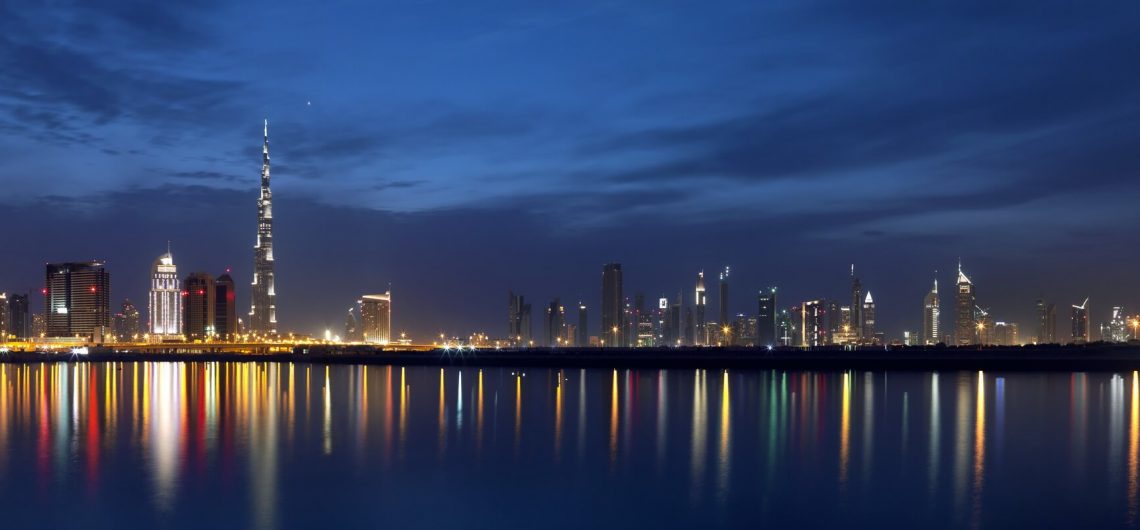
{"x":766,"y":318}
{"x":931,"y":314}
{"x":77,"y":300}
{"x":834,"y":321}
{"x":1046,"y":322}
{"x":582,"y":337}
{"x":846,"y":334}
{"x":351,"y":327}
{"x":644,"y":335}
{"x":263,"y":299}
{"x":723,"y":301}
{"x":700,"y":299}
{"x":554,"y":330}
{"x":1081,"y":323}
{"x":5,"y":325}
{"x":198,"y":305}
{"x":39,"y":325}
{"x":983,"y":326}
{"x":19,"y":322}
{"x":376,"y":317}
{"x":689,"y":327}
{"x":786,"y":328}
{"x":868,"y":315}
{"x":125,"y":323}
{"x":1116,"y":329}
{"x":676,"y":325}
{"x":225,"y":307}
{"x":743,"y":330}
{"x":813,"y":318}
{"x":965,"y":325}
{"x":856,"y":306}
{"x":612,"y":325}
{"x":1005,"y":334}
{"x":518,"y":320}
{"x":164,"y":309}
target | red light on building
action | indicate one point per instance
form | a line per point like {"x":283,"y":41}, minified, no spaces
{"x":201,"y":292}
{"x":92,"y":288}
{"x":185,"y":293}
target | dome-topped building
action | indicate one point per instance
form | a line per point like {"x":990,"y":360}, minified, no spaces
{"x":164,"y":311}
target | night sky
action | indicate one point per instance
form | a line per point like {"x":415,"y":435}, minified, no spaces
{"x":461,"y":149}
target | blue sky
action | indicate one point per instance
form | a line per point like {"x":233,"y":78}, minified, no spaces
{"x":460,"y":149}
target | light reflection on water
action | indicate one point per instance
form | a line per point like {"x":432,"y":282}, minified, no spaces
{"x":263,"y":443}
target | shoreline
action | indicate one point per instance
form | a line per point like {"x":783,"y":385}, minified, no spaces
{"x":1096,"y":357}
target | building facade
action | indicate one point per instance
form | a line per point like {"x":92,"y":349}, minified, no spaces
{"x":376,"y":317}
{"x":19,"y":319}
{"x":766,"y":318}
{"x":965,"y":324}
{"x":868,"y":315}
{"x":613,"y":328}
{"x":581,"y":333}
{"x":225,"y":307}
{"x":77,"y":300}
{"x":164,"y":304}
{"x":1046,"y":322}
{"x":198,"y":307}
{"x":263,"y":293}
{"x":931,"y":317}
{"x":1081,"y":323}
{"x":700,"y":302}
{"x":518,"y":320}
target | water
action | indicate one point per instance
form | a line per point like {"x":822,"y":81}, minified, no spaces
{"x":265,"y":445}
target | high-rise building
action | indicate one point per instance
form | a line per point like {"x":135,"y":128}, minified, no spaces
{"x":846,"y":334}
{"x":1116,"y":329}
{"x":856,"y":306}
{"x":1005,"y":334}
{"x":786,"y":327}
{"x":198,"y":305}
{"x":225,"y":307}
{"x":868,"y":315}
{"x":766,"y":318}
{"x":351,"y":327}
{"x":554,"y":328}
{"x":700,"y":299}
{"x":612,"y":326}
{"x":1046,"y":322}
{"x":125,"y":323}
{"x":582,"y":337}
{"x":931,"y":316}
{"x":690,"y":327}
{"x":263,"y":294}
{"x":965,"y":325}
{"x":813,"y":316}
{"x":1081,"y":323}
{"x":39,"y":325}
{"x":19,"y":321}
{"x":723,"y":301}
{"x":164,"y":306}
{"x":5,"y":325}
{"x":376,"y":317}
{"x":77,"y":300}
{"x":518,"y":320}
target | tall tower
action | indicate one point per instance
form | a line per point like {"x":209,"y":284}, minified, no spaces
{"x":931,"y":313}
{"x":164,"y":305}
{"x":723,"y":297}
{"x":965,"y":323}
{"x":700,"y":299}
{"x":613,"y":329}
{"x":1081,"y":323}
{"x":868,"y":315}
{"x":856,"y":306}
{"x":263,"y":306}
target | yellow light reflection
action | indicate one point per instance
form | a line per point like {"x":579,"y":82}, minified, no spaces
{"x":979,"y":448}
{"x":1133,"y":448}
{"x":844,"y":430}
{"x":558,"y":419}
{"x":613,"y":420}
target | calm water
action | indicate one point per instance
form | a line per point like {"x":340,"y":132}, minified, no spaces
{"x":278,"y":446}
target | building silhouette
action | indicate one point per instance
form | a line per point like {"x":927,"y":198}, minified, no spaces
{"x":723,"y":319}
{"x":700,"y":300}
{"x":376,"y":317}
{"x":125,"y":323}
{"x":77,"y":300}
{"x":965,"y":323}
{"x":931,"y":316}
{"x":263,"y":293}
{"x":1046,"y":322}
{"x":856,"y":307}
{"x":582,"y":335}
{"x":198,"y":306}
{"x":868,"y":315}
{"x":225,"y":307}
{"x":613,"y":327}
{"x":164,"y":304}
{"x":518,"y":320}
{"x":766,"y":318}
{"x":554,"y":328}
{"x":1081,"y":323}
{"x":19,"y":318}
{"x":351,"y":327}
{"x":813,"y":316}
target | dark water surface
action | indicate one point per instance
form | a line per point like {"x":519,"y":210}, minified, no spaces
{"x":266,"y":445}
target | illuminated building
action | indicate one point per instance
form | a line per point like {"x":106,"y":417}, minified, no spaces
{"x":856,"y":306}
{"x":846,"y":330}
{"x":582,"y":335}
{"x":77,"y":300}
{"x":198,"y":306}
{"x":1081,"y":323}
{"x":723,"y":301}
{"x":983,"y":327}
{"x":868,"y":315}
{"x":263,"y":299}
{"x":965,"y":325}
{"x":744,"y":330}
{"x":225,"y":307}
{"x":786,"y":328}
{"x":39,"y":325}
{"x":700,"y":299}
{"x":1005,"y":334}
{"x":125,"y":323}
{"x":19,"y":323}
{"x":376,"y":317}
{"x":164,"y":306}
{"x":931,"y":315}
{"x":4,"y":324}
{"x":1116,"y":329}
{"x":351,"y":327}
{"x":813,"y":319}
{"x":690,"y":327}
{"x":554,"y":330}
{"x":1046,"y":323}
{"x":766,"y":318}
{"x":675,"y":325}
{"x":613,"y":329}
{"x":518,"y":320}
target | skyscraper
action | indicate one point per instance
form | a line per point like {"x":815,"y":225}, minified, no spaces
{"x":19,"y":319}
{"x":77,"y":300}
{"x":518,"y":320}
{"x":612,"y":326}
{"x":723,"y":301}
{"x":554,"y":329}
{"x":965,"y":325}
{"x":351,"y":327}
{"x":376,"y":317}
{"x":1046,"y":322}
{"x":1081,"y":323}
{"x":766,"y":318}
{"x":931,"y":315}
{"x":700,"y":299}
{"x":856,"y":306}
{"x":868,"y":314}
{"x":198,"y":306}
{"x":813,"y":316}
{"x":225,"y":307}
{"x":263,"y":299}
{"x":125,"y":323}
{"x":5,"y":325}
{"x":164,"y":309}
{"x":583,"y":335}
